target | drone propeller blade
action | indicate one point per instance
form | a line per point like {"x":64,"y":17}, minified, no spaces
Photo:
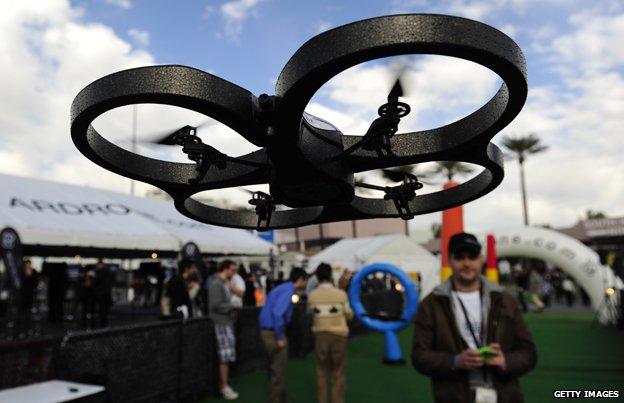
{"x":205,"y":123}
{"x":251,"y":192}
{"x":377,"y":137}
{"x":398,"y":174}
{"x":395,"y":175}
{"x":396,"y":91}
{"x":398,"y":87}
{"x":168,"y":138}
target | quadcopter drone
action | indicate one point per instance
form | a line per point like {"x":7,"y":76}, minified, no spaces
{"x":307,"y":162}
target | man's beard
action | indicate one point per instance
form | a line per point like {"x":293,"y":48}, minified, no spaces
{"x":466,"y":283}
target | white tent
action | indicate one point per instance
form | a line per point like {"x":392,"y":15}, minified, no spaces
{"x":55,"y":214}
{"x":398,"y":250}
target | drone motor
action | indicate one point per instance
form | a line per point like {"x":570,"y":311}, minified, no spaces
{"x":318,"y":178}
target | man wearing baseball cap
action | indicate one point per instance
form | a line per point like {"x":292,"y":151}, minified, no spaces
{"x":469,"y":335}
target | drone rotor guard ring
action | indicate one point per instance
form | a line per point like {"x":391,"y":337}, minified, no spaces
{"x":393,"y":353}
{"x":207,"y":214}
{"x":176,"y":86}
{"x":467,"y":139}
{"x":319,"y":59}
{"x":480,"y":185}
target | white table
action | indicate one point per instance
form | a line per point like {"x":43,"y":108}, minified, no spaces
{"x":49,"y":392}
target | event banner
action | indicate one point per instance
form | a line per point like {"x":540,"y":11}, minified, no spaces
{"x":11,"y":249}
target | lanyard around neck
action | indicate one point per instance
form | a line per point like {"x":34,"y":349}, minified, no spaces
{"x":465,"y":312}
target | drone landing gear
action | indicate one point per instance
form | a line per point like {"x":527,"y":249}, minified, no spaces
{"x":401,"y":195}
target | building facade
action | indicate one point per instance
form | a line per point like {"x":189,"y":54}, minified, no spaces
{"x":604,"y":235}
{"x":313,"y":238}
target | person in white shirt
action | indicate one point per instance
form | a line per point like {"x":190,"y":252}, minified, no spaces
{"x":237,"y":286}
{"x":469,"y":334}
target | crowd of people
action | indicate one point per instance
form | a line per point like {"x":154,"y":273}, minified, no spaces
{"x":228,"y":290}
{"x":73,"y":296}
{"x":184,"y":290}
{"x":91,"y":296}
{"x":328,"y":304}
{"x":469,"y":334}
{"x":538,"y":289}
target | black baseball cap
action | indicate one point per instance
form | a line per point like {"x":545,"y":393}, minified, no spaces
{"x":463,"y":242}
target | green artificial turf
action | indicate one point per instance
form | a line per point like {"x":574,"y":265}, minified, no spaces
{"x":572,"y":355}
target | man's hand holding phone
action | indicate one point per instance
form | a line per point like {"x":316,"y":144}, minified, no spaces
{"x":469,"y":359}
{"x":496,"y":356}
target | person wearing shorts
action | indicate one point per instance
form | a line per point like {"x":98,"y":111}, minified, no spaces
{"x":220,"y":311}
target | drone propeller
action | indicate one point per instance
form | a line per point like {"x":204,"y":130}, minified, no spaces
{"x":401,"y":194}
{"x":381,"y":130}
{"x":204,"y":155}
{"x":172,"y":138}
{"x":398,"y":174}
{"x":361,"y":179}
{"x":397,"y":88}
{"x":248,"y":191}
{"x":169,"y":139}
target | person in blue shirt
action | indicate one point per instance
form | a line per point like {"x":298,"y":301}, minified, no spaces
{"x":274,"y":318}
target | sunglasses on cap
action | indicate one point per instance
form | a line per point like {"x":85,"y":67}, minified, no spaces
{"x":470,"y":255}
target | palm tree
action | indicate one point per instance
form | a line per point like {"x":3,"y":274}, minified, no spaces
{"x":522,"y":147}
{"x":450,"y":169}
{"x":594,"y":215}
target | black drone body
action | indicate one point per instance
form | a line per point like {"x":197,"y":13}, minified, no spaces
{"x":307,"y":162}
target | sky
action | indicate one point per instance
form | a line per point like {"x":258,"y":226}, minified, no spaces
{"x":51,"y":49}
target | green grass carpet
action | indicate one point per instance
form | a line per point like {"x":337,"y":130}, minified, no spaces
{"x":572,"y":355}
